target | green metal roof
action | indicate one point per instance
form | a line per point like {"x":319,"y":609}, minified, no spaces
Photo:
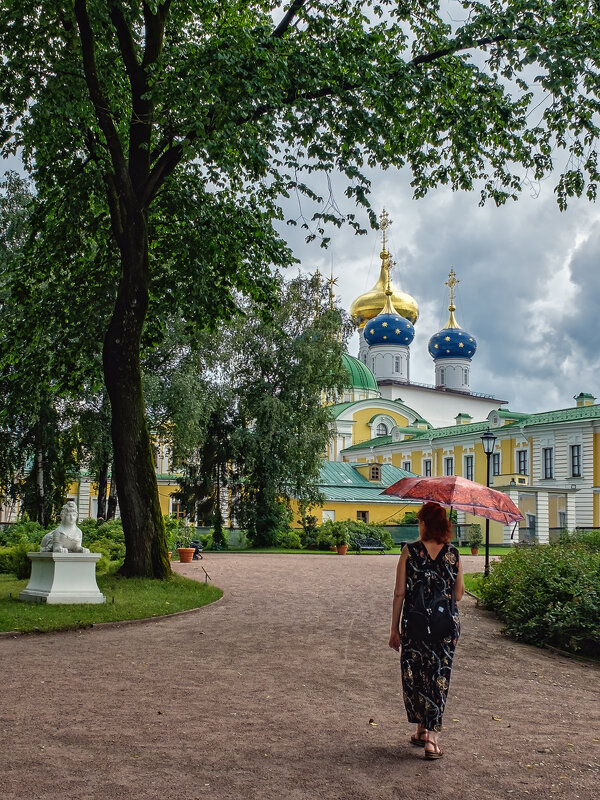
{"x":360,"y":376}
{"x":541,"y":418}
{"x":561,"y":415}
{"x":504,"y":413}
{"x":341,"y":481}
{"x":378,"y":441}
{"x":338,"y":408}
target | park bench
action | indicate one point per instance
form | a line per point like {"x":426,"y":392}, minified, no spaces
{"x":369,"y":543}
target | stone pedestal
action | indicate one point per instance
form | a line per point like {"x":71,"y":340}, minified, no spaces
{"x":63,"y":578}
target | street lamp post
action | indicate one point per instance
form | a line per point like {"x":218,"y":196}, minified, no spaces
{"x":488,"y":440}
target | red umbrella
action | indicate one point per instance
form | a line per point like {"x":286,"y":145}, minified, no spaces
{"x":451,"y":491}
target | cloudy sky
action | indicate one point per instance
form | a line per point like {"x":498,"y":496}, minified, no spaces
{"x":529,"y":286}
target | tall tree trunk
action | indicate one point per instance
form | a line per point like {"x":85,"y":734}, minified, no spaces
{"x":111,"y":507}
{"x":145,"y":540}
{"x":41,"y":499}
{"x":102,"y":487}
{"x":40,"y":492}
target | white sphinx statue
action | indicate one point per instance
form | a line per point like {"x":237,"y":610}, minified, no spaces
{"x":67,"y":537}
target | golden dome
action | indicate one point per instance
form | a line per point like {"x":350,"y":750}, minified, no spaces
{"x":369,"y":304}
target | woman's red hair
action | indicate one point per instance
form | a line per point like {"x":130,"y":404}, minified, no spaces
{"x":436,"y":525}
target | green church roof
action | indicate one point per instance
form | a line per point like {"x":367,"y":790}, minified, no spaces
{"x":360,"y":376}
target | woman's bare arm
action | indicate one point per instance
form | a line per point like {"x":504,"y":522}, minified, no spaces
{"x":399,"y":592}
{"x":459,"y":586}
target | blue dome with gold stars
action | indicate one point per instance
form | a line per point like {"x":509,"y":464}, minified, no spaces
{"x":389,"y":328}
{"x":452,"y":343}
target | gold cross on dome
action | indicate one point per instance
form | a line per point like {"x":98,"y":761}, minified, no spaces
{"x":451,"y":282}
{"x":384,"y":224}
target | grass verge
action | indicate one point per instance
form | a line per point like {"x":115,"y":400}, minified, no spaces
{"x":126,"y":598}
{"x":472,"y":582}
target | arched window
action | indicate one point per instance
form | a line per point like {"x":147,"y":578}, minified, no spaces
{"x":382,"y":429}
{"x":397,"y":364}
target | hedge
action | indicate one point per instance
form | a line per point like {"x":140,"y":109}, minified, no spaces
{"x":550,"y":594}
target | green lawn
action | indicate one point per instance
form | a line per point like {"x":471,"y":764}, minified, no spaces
{"x":472,"y":582}
{"x":131,"y":598}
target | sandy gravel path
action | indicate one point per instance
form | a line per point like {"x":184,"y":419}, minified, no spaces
{"x":286,"y":689}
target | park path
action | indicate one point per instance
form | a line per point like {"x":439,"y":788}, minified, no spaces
{"x":286,"y":690}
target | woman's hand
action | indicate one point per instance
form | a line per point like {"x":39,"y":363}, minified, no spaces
{"x":395,"y":640}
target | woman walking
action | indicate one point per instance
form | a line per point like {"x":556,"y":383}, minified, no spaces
{"x":429,"y":581}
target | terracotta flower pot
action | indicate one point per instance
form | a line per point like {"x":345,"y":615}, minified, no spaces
{"x":342,"y":549}
{"x":474,"y":551}
{"x":186,"y":554}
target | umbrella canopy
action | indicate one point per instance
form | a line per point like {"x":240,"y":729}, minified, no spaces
{"x":451,"y":491}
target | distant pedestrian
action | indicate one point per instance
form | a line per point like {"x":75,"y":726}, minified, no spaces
{"x":425,"y":623}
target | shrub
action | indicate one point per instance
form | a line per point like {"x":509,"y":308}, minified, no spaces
{"x":5,"y":562}
{"x":310,"y":530}
{"x":219,"y":538}
{"x":324,"y":539}
{"x":410,"y":518}
{"x":177,"y":530}
{"x":289,"y":539}
{"x":114,"y":550}
{"x":17,"y":561}
{"x":25,"y":531}
{"x":474,"y":537}
{"x":590,"y":539}
{"x":549,"y":594}
{"x":358,"y":530}
{"x":332,"y":534}
{"x":205,"y":540}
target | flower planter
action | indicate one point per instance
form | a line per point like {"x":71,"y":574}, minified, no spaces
{"x":186,"y":554}
{"x":474,"y":551}
{"x":342,"y":549}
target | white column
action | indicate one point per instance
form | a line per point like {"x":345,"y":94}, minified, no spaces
{"x":83,"y":499}
{"x":571,"y":511}
{"x":507,"y":530}
{"x":542,"y":518}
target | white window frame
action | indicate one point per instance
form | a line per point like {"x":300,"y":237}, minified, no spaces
{"x":449,"y":462}
{"x":547,"y":463}
{"x":524,"y":453}
{"x":496,"y":465}
{"x":575,"y":453}
{"x":173,"y":511}
{"x":469,"y":467}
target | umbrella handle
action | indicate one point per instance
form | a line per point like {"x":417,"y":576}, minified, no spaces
{"x":512,"y":536}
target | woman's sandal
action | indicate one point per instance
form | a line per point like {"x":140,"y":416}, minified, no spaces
{"x":419,"y":739}
{"x":432,"y":754}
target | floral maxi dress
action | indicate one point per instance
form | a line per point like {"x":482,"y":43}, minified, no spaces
{"x":426,"y":667}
